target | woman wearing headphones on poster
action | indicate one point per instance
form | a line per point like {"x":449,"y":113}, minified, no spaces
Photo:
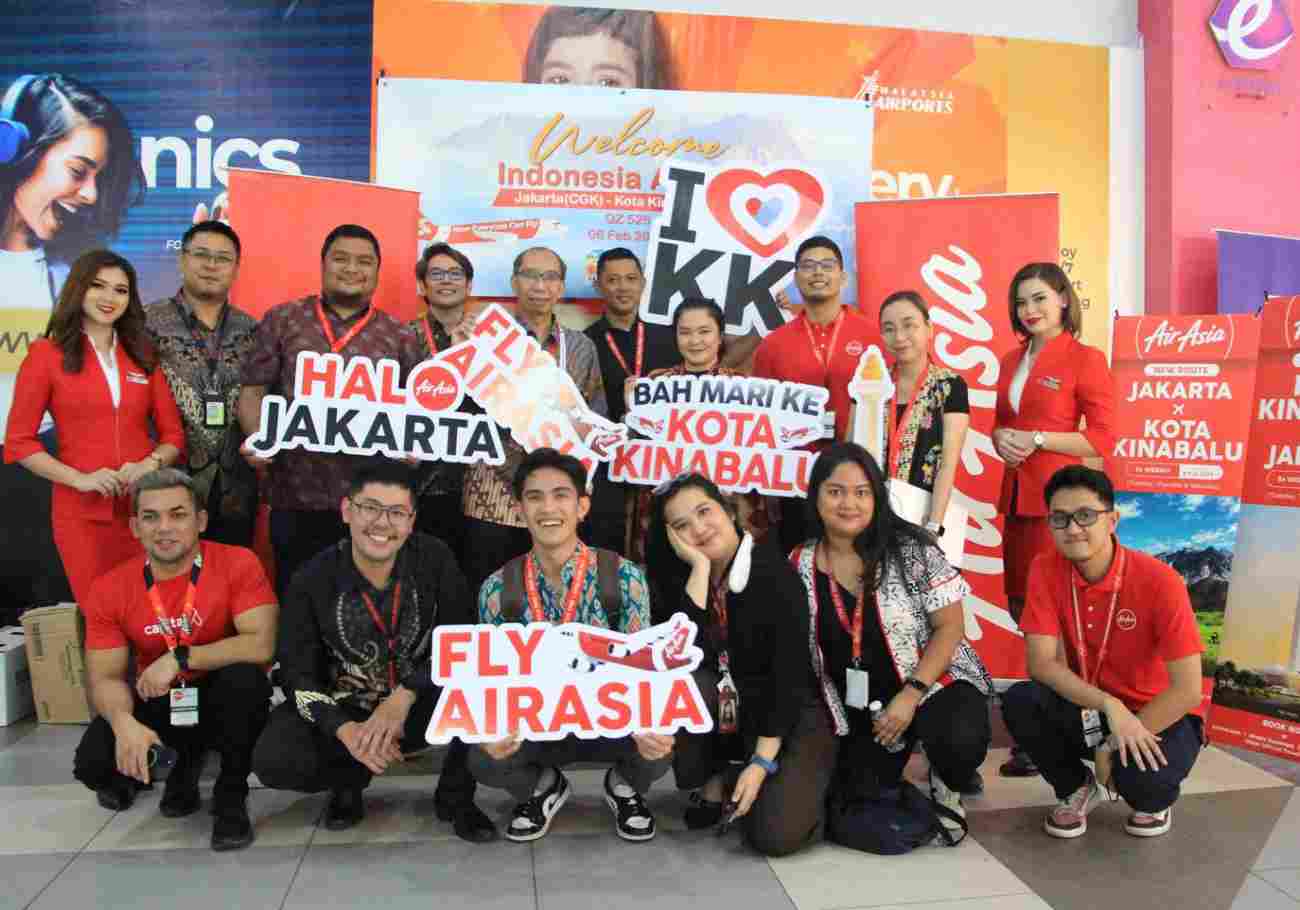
{"x":1044,"y":389}
{"x":68,"y":172}
{"x":95,"y":371}
{"x":592,"y":46}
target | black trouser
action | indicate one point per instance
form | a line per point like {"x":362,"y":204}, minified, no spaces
{"x":235,"y":529}
{"x":606,"y":522}
{"x":294,"y":754}
{"x":488,"y":547}
{"x":297,"y":536}
{"x":233,"y":706}
{"x":954,"y":726}
{"x":1051,"y":730}
{"x":441,"y":516}
{"x":519,"y":773}
{"x":790,"y":808}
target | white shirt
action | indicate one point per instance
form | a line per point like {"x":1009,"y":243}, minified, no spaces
{"x":1020,"y":377}
{"x":108,"y":363}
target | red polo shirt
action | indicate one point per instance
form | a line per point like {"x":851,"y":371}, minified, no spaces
{"x":793,"y":354}
{"x":1153,"y":621}
{"x":118,"y":612}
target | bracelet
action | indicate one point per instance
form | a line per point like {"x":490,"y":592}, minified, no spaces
{"x":767,"y":764}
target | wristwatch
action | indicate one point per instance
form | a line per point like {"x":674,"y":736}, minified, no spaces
{"x":934,"y":528}
{"x":767,"y":764}
{"x":917,"y":685}
{"x":1040,"y":439}
{"x":182,"y":655}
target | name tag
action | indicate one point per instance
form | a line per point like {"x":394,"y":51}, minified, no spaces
{"x":214,"y":412}
{"x":1050,"y":382}
{"x":1091,"y":727}
{"x":856,"y":689}
{"x":828,"y":424}
{"x":137,"y":378}
{"x":185,"y":706}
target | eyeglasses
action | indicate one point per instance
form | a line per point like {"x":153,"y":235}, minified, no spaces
{"x":534,"y":275}
{"x":370,"y":512}
{"x":445,"y":275}
{"x":809,"y":266}
{"x":207,"y":257}
{"x":1084,"y":518}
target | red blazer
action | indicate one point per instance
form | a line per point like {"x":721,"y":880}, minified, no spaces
{"x":92,"y":434}
{"x":1069,"y":380}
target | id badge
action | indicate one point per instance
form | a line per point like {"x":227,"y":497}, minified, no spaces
{"x":828,"y":424}
{"x":728,"y":705}
{"x":1092,"y":734}
{"x":214,"y":412}
{"x":856,"y":690}
{"x":185,"y":706}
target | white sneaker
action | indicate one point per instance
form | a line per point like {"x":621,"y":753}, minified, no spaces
{"x":1070,"y":817}
{"x":950,"y":799}
{"x":532,"y":818}
{"x":1150,"y":824}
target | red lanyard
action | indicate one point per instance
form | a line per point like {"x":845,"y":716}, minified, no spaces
{"x":389,"y":633}
{"x":428,"y":336}
{"x":340,"y":344}
{"x":188,"y":620}
{"x":640,"y":350}
{"x":824,"y":354}
{"x":718,"y":601}
{"x":576,"y":583}
{"x":854,"y":627}
{"x":1082,"y":643}
{"x":896,"y":422}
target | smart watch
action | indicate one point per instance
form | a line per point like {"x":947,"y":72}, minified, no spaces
{"x":182,"y":655}
{"x":767,"y":764}
{"x":934,"y":528}
{"x":917,"y":685}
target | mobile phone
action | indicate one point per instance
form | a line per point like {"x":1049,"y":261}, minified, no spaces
{"x":162,"y":759}
{"x":728,"y":810}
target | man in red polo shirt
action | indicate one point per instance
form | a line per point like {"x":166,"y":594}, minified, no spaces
{"x":1114,"y":658}
{"x":199,"y":618}
{"x":819,"y":347}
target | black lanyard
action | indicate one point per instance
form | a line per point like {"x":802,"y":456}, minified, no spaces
{"x":212,"y":352}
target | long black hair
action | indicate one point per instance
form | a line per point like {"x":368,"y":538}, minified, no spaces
{"x":665,"y":570}
{"x":882,"y":539}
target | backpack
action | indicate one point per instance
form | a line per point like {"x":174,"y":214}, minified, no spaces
{"x":891,"y":821}
{"x":513,"y":597}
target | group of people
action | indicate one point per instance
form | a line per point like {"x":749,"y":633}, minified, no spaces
{"x":832,"y":628}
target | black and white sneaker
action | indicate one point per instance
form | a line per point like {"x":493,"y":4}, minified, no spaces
{"x":633,"y":819}
{"x":532,"y":818}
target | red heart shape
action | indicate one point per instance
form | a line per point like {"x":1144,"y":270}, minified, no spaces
{"x":724,"y":185}
{"x":753,"y":206}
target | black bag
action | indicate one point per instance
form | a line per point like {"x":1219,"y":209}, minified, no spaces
{"x":891,"y":821}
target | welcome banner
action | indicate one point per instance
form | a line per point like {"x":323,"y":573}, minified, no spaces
{"x":946,"y":250}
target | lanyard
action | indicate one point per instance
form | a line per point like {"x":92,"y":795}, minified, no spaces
{"x":211,"y":343}
{"x":1078,"y":624}
{"x":340,"y":344}
{"x":824,"y":354}
{"x":853,"y":628}
{"x":535,"y":609}
{"x":897,"y":422}
{"x":718,"y":601}
{"x":389,"y":633}
{"x":561,"y":348}
{"x":188,"y":620}
{"x":428,"y":336}
{"x":640,"y":350}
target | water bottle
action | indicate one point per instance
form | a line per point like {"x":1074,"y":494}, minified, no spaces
{"x":876,"y":709}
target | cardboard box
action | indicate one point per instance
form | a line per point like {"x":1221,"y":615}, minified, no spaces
{"x":15,"y":678}
{"x":58,"y":664}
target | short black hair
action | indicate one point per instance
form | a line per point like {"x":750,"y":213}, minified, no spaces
{"x":442,"y":249}
{"x":519,"y":260}
{"x":617,"y":254}
{"x":1077,"y":475}
{"x":383,"y":471}
{"x":213,"y":227}
{"x":549,"y":458}
{"x":350,"y":230}
{"x":820,"y":242}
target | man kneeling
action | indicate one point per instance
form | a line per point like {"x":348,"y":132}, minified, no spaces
{"x":199,"y":619}
{"x":1114,"y":657}
{"x":562,"y":580}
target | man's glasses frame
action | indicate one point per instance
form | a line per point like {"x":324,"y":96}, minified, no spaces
{"x":398,"y":516}
{"x":1084,"y":518}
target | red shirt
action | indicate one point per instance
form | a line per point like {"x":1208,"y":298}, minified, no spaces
{"x":118,"y":611}
{"x":793,"y":353}
{"x":1153,"y":621}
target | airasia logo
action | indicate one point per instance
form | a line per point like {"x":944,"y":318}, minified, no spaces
{"x":1252,"y":33}
{"x":1126,"y":620}
{"x":436,"y":388}
{"x":1198,"y":335}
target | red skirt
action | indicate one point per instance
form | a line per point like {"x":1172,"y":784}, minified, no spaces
{"x":1023,"y":540}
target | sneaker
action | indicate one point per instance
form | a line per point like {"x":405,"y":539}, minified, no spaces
{"x":346,"y":809}
{"x":1149,"y":824}
{"x":231,"y":827}
{"x":117,"y":795}
{"x":951,"y":800}
{"x":633,"y":819}
{"x":1019,"y":765}
{"x":1070,"y":817}
{"x":532,"y":818}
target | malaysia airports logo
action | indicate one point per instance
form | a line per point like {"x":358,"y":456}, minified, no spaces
{"x":1252,"y":34}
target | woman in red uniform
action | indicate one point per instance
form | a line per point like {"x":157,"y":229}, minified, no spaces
{"x":1044,"y":388}
{"x":94,"y":371}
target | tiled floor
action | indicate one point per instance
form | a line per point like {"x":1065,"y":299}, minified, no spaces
{"x":1235,"y":843}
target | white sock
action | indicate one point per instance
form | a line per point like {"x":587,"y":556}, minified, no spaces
{"x":621,"y":788}
{"x":545,"y":781}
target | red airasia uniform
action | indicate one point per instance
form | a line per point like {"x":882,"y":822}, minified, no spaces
{"x":91,"y":531}
{"x":1068,"y":380}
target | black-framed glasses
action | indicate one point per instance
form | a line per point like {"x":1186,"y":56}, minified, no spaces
{"x":809,"y":266}
{"x":207,"y":257}
{"x":456,"y":275}
{"x":371,"y":511}
{"x":1084,"y":518}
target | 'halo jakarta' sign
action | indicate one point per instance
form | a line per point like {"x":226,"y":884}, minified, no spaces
{"x":546,"y":682}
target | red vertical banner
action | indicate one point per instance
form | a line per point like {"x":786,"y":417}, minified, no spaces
{"x":1184,"y":385}
{"x":283,"y":219}
{"x":1273,"y":459}
{"x":960,"y":254}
